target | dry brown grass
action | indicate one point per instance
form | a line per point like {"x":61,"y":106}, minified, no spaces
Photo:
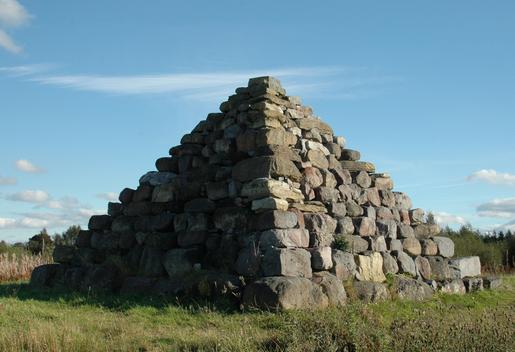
{"x":19,"y":267}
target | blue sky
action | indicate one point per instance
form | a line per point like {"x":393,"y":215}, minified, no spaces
{"x":91,"y":93}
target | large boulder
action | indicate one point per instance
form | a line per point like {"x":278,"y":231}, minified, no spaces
{"x":445,"y":246}
{"x":406,"y":264}
{"x":370,"y":268}
{"x":283,"y":293}
{"x":43,"y":275}
{"x":265,"y":167}
{"x":332,"y":287}
{"x":466,"y":267}
{"x":344,"y":266}
{"x":287,"y":262}
{"x":411,"y":289}
{"x":370,"y":292}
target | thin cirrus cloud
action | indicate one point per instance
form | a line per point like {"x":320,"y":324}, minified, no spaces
{"x":503,"y":208}
{"x":27,"y":166}
{"x":185,"y":83}
{"x":493,"y":177}
{"x":342,"y":82}
{"x":12,"y":15}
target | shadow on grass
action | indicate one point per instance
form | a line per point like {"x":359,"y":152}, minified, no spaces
{"x":117,"y":302}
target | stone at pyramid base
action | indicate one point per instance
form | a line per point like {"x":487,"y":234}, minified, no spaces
{"x":261,"y":202}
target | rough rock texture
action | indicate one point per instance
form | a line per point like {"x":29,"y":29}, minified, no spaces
{"x":263,"y":191}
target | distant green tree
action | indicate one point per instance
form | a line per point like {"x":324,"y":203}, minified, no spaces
{"x":430,"y":218}
{"x":68,"y":237}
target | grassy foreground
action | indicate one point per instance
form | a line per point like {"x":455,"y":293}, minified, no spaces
{"x":60,"y":321}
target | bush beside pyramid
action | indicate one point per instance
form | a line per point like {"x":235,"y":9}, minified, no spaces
{"x":264,"y":203}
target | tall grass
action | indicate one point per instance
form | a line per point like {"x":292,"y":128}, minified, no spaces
{"x":19,"y":266}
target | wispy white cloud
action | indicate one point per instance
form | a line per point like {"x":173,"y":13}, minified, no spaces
{"x":325,"y":81}
{"x":12,"y":15}
{"x":109,"y":196}
{"x":509,"y":226}
{"x":8,"y":43}
{"x":29,"y":196}
{"x":493,"y":177}
{"x":444,"y":218}
{"x":498,"y":208}
{"x":186,"y":83}
{"x":27,"y":166}
{"x":7,"y":181}
{"x":25,"y":70}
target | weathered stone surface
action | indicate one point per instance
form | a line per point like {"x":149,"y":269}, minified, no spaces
{"x":473,"y":284}
{"x":386,"y":228}
{"x":417,"y":216}
{"x":321,"y":258}
{"x":318,"y":159}
{"x":338,"y":210}
{"x":344,"y":266}
{"x":150,"y":262}
{"x":429,"y":247}
{"x":365,"y":226}
{"x":353,"y":209}
{"x":345,"y":226}
{"x":377,"y":244}
{"x":405,"y":231}
{"x":156,"y":178}
{"x":411,"y":289}
{"x":321,"y":223}
{"x":454,"y":286}
{"x":439,"y":268}
{"x":287,"y":262}
{"x":269,"y":203}
{"x":126,"y":195}
{"x":349,"y":154}
{"x":230,"y":218}
{"x":179,"y":261}
{"x":284,"y":238}
{"x":423,"y":231}
{"x":370,"y":267}
{"x":309,"y":207}
{"x":264,"y":187}
{"x":100,"y":222}
{"x":371,"y":292}
{"x":355,"y":244}
{"x":265,"y":167}
{"x":187,"y":239}
{"x":412,"y":246}
{"x":311,"y":123}
{"x":249,"y":260}
{"x":63,"y":254}
{"x":389,"y":264}
{"x":445,"y":246}
{"x":394,"y":245}
{"x":363,"y":180}
{"x":83,"y":239}
{"x":284,"y":293}
{"x":381,"y":181}
{"x":358,"y":166}
{"x":43,"y":275}
{"x":200,"y":205}
{"x":406,"y":264}
{"x":332,"y":287}
{"x":274,"y":219}
{"x":423,"y":267}
{"x":466,"y":266}
{"x":492,"y":283}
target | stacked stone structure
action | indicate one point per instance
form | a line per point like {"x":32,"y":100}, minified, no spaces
{"x":263,"y":202}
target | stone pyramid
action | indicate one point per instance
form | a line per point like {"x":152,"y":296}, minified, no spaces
{"x":262,"y":202}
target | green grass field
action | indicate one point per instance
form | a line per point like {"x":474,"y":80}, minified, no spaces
{"x":52,"y":320}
